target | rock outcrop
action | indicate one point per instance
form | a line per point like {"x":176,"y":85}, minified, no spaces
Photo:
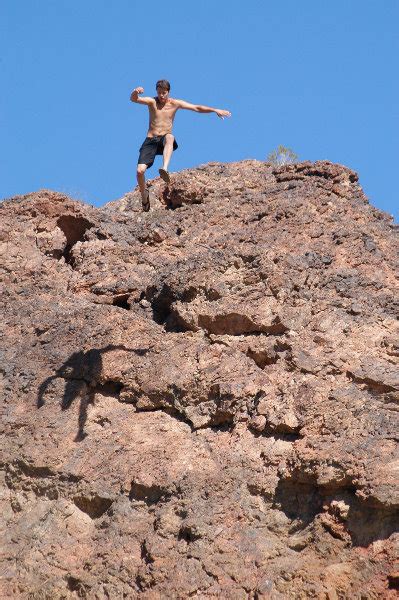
{"x":201,"y":401}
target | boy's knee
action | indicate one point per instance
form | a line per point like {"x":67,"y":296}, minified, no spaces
{"x":141,"y":169}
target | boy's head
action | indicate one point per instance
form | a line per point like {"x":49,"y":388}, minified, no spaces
{"x":163,"y":88}
{"x":163,"y":84}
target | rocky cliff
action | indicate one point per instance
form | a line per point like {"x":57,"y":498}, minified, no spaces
{"x":201,"y":401}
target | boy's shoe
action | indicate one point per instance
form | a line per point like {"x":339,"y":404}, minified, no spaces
{"x":145,"y":201}
{"x":164,"y":175}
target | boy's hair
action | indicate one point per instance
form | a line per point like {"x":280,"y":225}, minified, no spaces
{"x":163,"y":84}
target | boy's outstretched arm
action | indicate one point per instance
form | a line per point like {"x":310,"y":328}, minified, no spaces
{"x":134,"y":97}
{"x":203,"y":109}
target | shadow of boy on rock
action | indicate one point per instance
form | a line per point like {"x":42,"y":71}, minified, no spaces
{"x":82,"y":374}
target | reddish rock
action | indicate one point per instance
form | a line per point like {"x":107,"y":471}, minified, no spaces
{"x":201,"y":400}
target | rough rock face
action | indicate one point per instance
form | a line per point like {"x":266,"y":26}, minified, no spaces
{"x":201,"y":401}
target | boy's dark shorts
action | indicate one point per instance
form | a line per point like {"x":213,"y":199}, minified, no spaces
{"x":151,"y":147}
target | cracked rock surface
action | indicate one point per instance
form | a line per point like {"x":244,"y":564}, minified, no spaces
{"x":202,"y":400}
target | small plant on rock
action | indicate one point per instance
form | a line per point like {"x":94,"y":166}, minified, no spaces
{"x":282,"y":156}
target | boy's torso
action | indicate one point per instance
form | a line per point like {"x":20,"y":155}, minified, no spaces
{"x":161,"y":117}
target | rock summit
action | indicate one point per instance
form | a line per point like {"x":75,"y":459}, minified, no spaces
{"x":201,"y":401}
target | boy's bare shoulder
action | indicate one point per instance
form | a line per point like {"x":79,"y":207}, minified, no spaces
{"x":175,"y":102}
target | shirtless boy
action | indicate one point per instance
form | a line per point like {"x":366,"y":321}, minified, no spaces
{"x":159,"y":140}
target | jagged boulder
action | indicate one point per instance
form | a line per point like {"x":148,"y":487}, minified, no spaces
{"x":201,"y":400}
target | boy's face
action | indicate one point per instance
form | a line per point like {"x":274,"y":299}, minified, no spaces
{"x":162,"y":94}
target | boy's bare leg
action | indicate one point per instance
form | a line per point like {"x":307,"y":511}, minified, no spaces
{"x":141,"y":169}
{"x":167,"y":151}
{"x":145,"y":195}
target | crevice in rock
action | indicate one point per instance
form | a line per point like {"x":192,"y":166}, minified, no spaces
{"x":262,"y":358}
{"x":108,"y":388}
{"x":374,"y":386}
{"x":279,"y":433}
{"x":76,"y":585}
{"x":34,"y":471}
{"x":175,"y":414}
{"x":393,"y":581}
{"x":171,"y":412}
{"x":150,"y":494}
{"x":212,"y":294}
{"x":235,"y":324}
{"x":370,"y":521}
{"x":122,"y":301}
{"x":188,"y":534}
{"x":218,"y":424}
{"x":74,"y":229}
{"x":365,"y":521}
{"x":238,"y":324}
{"x":255,"y":490}
{"x":145,"y":555}
{"x":300,"y":501}
{"x":41,"y":481}
{"x":161,"y":302}
{"x":94,"y":506}
{"x":281,"y":346}
{"x":163,"y":313}
{"x":175,"y":324}
{"x":221,"y":422}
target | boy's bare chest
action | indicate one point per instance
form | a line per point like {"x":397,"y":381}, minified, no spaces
{"x":164,"y":114}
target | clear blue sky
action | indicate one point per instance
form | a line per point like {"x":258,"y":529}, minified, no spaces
{"x":318,"y":77}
